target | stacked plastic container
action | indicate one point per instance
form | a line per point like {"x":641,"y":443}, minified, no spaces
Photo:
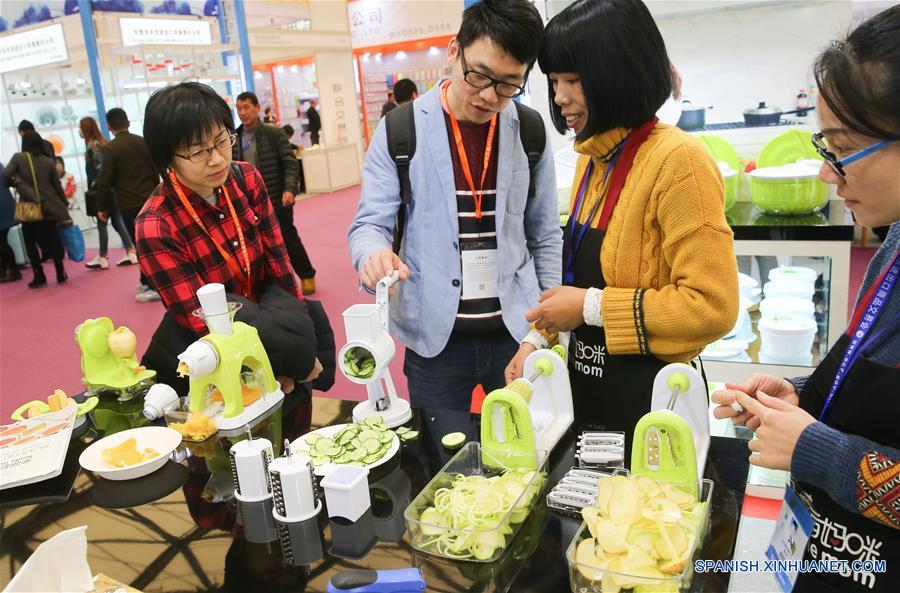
{"x":787,"y":326}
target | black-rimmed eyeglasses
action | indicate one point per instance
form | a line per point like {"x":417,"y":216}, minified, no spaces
{"x":481,"y":81}
{"x":821,"y":144}
{"x":199,"y":156}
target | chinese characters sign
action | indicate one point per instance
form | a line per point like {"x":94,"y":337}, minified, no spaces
{"x":36,"y":47}
{"x":136,"y":31}
{"x":376,"y":22}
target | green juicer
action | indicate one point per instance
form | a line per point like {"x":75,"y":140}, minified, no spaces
{"x":108,"y":356}
{"x":663,"y":447}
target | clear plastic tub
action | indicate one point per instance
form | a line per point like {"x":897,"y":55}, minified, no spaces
{"x":484,"y":543}
{"x":177,"y":413}
{"x":587,"y":578}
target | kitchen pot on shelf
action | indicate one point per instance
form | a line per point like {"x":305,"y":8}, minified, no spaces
{"x":763,"y":115}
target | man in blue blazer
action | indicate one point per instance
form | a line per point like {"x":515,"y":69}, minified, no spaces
{"x":477,"y":251}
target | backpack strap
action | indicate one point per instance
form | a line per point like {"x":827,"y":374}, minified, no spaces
{"x":239,"y":178}
{"x":534,"y":139}
{"x":401,"y":142}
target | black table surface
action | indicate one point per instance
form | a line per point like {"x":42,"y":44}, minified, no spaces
{"x":180,"y":529}
{"x":832,"y":223}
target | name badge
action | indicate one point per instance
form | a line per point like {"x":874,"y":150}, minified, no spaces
{"x":479,"y":268}
{"x":792,"y":532}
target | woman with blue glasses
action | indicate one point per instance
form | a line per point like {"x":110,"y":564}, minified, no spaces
{"x":836,"y":430}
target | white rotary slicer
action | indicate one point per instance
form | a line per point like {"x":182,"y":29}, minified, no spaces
{"x":368,"y":337}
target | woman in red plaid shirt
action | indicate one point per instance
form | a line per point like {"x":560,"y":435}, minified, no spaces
{"x":210,"y":220}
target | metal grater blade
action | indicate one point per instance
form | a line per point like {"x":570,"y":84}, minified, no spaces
{"x":234,"y":472}
{"x":284,"y":537}
{"x":652,"y":443}
{"x":277,"y":493}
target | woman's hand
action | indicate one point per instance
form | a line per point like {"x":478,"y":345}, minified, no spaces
{"x":780,"y":427}
{"x":775,"y":387}
{"x":560,"y":309}
{"x":317,"y":369}
{"x":286,"y":383}
{"x":517,"y":364}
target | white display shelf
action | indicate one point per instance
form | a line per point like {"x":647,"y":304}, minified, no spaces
{"x":215,"y":48}
{"x":56,"y":99}
{"x":40,"y":129}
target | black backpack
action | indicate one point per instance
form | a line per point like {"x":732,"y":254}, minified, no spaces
{"x":401,"y":141}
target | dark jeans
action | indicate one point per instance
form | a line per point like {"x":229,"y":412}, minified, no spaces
{"x":447,"y":380}
{"x":7,"y":255}
{"x":115,"y":218}
{"x":293,"y":244}
{"x":45,"y":234}
{"x":128,"y":217}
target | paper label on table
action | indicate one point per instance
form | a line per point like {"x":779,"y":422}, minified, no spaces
{"x":479,"y":269}
{"x":792,"y":532}
{"x":34,"y":449}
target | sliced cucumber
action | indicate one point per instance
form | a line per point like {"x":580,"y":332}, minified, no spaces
{"x":453,"y":440}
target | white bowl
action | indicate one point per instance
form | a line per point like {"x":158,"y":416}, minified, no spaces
{"x":787,"y":336}
{"x":159,"y":438}
{"x":787,"y":305}
{"x":780,"y":288}
{"x":793,"y":274}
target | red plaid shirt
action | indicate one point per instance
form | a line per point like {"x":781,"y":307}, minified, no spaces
{"x":178,"y":257}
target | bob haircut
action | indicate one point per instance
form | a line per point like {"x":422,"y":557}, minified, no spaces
{"x":619,"y":55}
{"x":859,"y":76}
{"x":33,"y":144}
{"x":179,"y":116}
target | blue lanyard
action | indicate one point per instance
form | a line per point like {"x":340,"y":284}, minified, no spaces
{"x":858,"y":336}
{"x":582,"y":189}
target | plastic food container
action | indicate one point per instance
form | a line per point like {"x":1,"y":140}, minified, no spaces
{"x":788,"y":189}
{"x":786,"y":305}
{"x":730,"y":177}
{"x":431,"y":538}
{"x":787,"y":336}
{"x":748,"y":286}
{"x":780,"y":288}
{"x":743,"y":326}
{"x":177,"y":413}
{"x":793,"y":274}
{"x":585,"y":578}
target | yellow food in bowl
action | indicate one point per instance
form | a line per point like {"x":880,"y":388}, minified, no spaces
{"x":127,"y":454}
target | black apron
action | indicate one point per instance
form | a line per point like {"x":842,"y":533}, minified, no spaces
{"x":609,"y":392}
{"x":862,"y":406}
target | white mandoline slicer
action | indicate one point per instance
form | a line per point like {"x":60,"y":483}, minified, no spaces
{"x":368,"y":353}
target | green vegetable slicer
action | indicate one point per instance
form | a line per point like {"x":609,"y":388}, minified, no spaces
{"x":220,"y":361}
{"x":366,"y":358}
{"x":108,"y":358}
{"x":671,"y":442}
{"x":528,"y":415}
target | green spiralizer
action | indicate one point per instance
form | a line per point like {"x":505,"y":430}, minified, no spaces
{"x":528,"y":417}
{"x":108,"y":358}
{"x":220,"y":361}
{"x":671,"y":442}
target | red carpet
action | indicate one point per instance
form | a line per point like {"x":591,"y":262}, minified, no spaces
{"x":37,"y":342}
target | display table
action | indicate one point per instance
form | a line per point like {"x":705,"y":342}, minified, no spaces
{"x":330,"y":168}
{"x":180,"y":530}
{"x":822,"y":241}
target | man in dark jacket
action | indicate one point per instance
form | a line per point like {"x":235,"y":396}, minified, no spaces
{"x":26,"y":126}
{"x":128,"y":177}
{"x":314,"y":122}
{"x":268,"y":149}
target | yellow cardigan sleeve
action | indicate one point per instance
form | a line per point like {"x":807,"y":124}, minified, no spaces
{"x":698,"y":303}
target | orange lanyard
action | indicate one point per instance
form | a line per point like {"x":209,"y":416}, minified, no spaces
{"x":243,"y":276}
{"x":461,"y":149}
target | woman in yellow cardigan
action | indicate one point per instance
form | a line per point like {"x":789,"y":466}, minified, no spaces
{"x":648,"y":258}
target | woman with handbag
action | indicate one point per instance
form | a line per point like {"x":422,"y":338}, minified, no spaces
{"x":9,"y":271}
{"x":42,"y":205}
{"x":93,"y":155}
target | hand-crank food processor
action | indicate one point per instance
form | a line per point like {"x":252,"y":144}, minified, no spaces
{"x":107,"y":356}
{"x":229,"y":365}
{"x":368,"y":353}
{"x":671,"y":442}
{"x":528,"y":415}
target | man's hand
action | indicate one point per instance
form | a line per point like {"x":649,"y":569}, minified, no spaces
{"x":517,"y":365}
{"x":287,"y":199}
{"x":103,"y":216}
{"x":780,"y":427}
{"x":286,"y":383}
{"x":560,"y":309}
{"x":775,"y":387}
{"x":317,"y":369}
{"x":383,"y":262}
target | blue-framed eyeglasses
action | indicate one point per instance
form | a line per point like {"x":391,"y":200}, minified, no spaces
{"x":821,"y":145}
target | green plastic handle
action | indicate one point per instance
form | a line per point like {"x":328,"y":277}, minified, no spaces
{"x":679,"y":380}
{"x":560,"y":350}
{"x":544,"y":366}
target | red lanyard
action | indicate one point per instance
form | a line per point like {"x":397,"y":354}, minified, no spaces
{"x":243,"y":276}
{"x":461,"y":149}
